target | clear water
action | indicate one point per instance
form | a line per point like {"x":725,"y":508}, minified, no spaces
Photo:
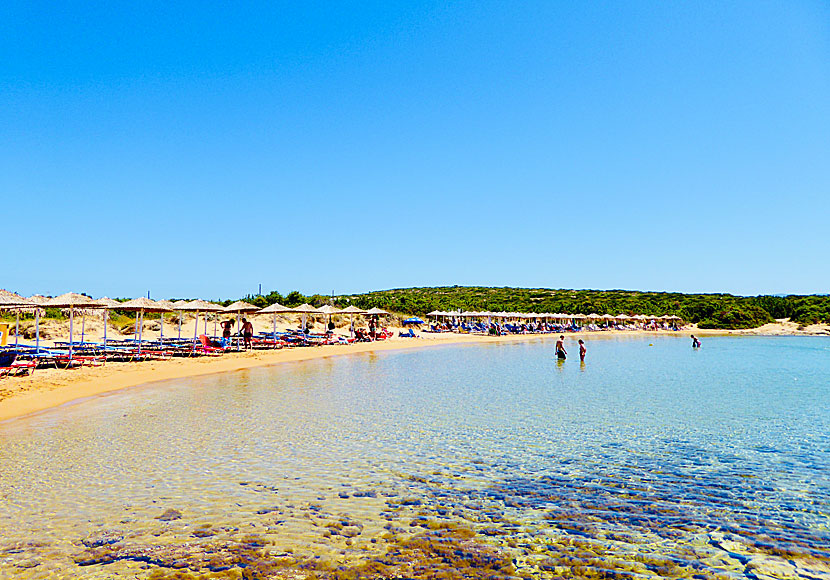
{"x":650,"y":460}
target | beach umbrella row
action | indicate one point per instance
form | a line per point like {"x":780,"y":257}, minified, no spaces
{"x":546,"y":315}
{"x":81,"y":303}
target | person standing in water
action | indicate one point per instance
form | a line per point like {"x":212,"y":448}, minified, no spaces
{"x":582,"y":350}
{"x":561,"y":353}
{"x":695,"y":342}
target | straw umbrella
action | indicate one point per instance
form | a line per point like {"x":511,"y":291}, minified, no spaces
{"x":239,"y":307}
{"x":376,"y":312}
{"x":351,"y":311}
{"x":39,"y":301}
{"x":169,"y":305}
{"x":11,"y":300}
{"x":328,"y":310}
{"x":71,"y":300}
{"x":142,"y":305}
{"x":199,"y":306}
{"x":275,"y":309}
{"x":178,"y":306}
{"x":305,"y":310}
{"x":108,"y":304}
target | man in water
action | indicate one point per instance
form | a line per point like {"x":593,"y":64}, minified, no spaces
{"x":247,"y":332}
{"x":582,"y":350}
{"x":695,"y":342}
{"x":561,"y":353}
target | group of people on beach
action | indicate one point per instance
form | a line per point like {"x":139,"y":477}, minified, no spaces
{"x":246,"y":331}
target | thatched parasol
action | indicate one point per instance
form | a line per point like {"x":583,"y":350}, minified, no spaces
{"x":177,"y":305}
{"x":170,"y":307}
{"x":351,"y":311}
{"x":142,"y":305}
{"x":305,"y":310}
{"x":11,"y":300}
{"x":39,"y":302}
{"x":275,"y":309}
{"x":200,"y":306}
{"x":108,"y":304}
{"x":328,"y":310}
{"x":376,"y":312}
{"x":72,"y":301}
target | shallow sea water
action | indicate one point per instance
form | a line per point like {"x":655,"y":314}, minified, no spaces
{"x":489,"y":461}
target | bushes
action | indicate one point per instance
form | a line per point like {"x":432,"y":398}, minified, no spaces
{"x":748,"y":316}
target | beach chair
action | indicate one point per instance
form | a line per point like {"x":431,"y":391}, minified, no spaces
{"x":64,"y":361}
{"x":10,"y":366}
{"x":205,"y":347}
{"x":408,"y":334}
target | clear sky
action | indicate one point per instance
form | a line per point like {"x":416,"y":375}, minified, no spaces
{"x":196,"y":150}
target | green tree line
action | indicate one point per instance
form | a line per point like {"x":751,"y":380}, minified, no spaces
{"x":707,"y":310}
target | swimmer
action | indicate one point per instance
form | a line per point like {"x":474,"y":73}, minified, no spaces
{"x":695,"y":342}
{"x":582,"y":350}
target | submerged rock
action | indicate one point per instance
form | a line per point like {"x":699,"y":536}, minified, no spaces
{"x":104,"y":538}
{"x":170,"y":515}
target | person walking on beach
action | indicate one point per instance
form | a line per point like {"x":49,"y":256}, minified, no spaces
{"x":582,"y":350}
{"x":247,"y":333}
{"x":695,"y":342}
{"x":561,"y":353}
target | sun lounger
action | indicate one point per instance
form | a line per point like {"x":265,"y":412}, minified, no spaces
{"x":204,"y":346}
{"x":11,"y":366}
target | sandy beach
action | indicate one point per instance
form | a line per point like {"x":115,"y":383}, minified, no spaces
{"x":47,"y":388}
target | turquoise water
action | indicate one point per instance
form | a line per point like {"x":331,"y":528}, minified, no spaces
{"x":650,"y":460}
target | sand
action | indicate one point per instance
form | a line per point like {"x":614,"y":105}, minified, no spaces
{"x":47,"y":388}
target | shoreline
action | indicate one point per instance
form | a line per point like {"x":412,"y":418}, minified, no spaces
{"x":50,"y":388}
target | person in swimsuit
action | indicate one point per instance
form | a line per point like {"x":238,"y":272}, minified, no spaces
{"x":247,"y":332}
{"x":582,"y":350}
{"x":695,"y":342}
{"x":561,"y":353}
{"x":227,"y":325}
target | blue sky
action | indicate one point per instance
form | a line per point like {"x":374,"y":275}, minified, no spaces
{"x":338,"y":146}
